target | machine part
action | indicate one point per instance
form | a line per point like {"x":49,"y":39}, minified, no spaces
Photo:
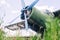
{"x":39,"y":16}
{"x":23,"y":5}
{"x":24,"y":12}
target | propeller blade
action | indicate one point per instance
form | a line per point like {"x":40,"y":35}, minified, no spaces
{"x":26,"y":23}
{"x":23,"y":3}
{"x":32,"y":5}
{"x":29,"y":8}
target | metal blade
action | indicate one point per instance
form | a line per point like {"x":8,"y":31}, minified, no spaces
{"x":23,"y":6}
{"x":26,"y":23}
{"x":32,"y":4}
{"x":23,"y":3}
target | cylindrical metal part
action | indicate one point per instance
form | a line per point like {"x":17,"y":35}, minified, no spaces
{"x":38,"y":16}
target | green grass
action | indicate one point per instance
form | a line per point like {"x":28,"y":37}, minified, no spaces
{"x":1,"y":34}
{"x":21,"y":38}
{"x":2,"y":37}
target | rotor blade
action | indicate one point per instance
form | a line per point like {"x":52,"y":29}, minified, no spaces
{"x":29,"y":8}
{"x":26,"y":23}
{"x":23,"y":3}
{"x":32,"y":5}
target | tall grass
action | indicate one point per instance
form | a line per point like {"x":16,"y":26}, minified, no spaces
{"x":1,"y":34}
{"x":36,"y":37}
{"x":52,"y":29}
{"x":2,"y":37}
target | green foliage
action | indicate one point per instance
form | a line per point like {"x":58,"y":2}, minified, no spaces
{"x":36,"y":37}
{"x":1,"y":34}
{"x":52,"y":30}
